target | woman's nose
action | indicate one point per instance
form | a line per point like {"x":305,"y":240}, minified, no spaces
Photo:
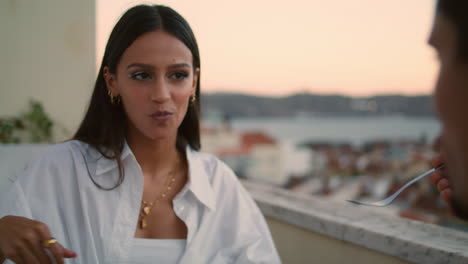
{"x":160,"y":92}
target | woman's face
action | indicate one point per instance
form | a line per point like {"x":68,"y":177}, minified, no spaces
{"x":155,"y":79}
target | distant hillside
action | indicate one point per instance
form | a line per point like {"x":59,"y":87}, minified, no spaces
{"x":242,"y":105}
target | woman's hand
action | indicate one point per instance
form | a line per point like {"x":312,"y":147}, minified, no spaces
{"x":21,"y":241}
{"x":439,"y":178}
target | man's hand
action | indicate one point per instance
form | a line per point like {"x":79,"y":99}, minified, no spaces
{"x":440,"y":179}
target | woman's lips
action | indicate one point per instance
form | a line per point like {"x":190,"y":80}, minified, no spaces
{"x":161,"y":115}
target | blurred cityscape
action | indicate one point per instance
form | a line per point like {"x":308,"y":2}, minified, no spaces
{"x":335,"y":170}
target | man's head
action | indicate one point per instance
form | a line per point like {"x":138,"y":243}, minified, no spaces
{"x":450,"y":39}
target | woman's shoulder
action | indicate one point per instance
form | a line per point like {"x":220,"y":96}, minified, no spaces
{"x":231,"y":197}
{"x":69,"y":146}
{"x":221,"y":177}
{"x":213,"y":166}
{"x":53,"y":158}
{"x":61,"y":152}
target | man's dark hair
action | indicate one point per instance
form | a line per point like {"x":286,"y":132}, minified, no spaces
{"x":104,"y":126}
{"x":457,"y":12}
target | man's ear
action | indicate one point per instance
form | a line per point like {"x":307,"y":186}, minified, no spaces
{"x":109,"y":78}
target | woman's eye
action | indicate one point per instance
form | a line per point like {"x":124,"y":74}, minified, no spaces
{"x":179,"y":75}
{"x":140,"y":76}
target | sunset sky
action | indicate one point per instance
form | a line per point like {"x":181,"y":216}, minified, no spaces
{"x":359,"y":48}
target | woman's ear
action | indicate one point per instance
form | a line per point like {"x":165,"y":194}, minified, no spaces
{"x":109,"y":78}
{"x":196,"y":75}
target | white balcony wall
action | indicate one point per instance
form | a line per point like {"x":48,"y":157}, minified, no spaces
{"x":47,"y":52}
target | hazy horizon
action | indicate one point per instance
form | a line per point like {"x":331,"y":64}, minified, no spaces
{"x":241,"y":92}
{"x":358,"y":48}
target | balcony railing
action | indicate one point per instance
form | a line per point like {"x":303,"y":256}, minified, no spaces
{"x":310,"y":230}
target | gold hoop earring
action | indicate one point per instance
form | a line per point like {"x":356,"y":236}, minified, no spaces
{"x":113,"y":99}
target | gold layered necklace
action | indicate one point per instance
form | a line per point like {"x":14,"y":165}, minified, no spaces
{"x":146,"y":207}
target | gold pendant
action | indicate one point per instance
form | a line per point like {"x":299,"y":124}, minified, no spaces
{"x":143,"y":223}
{"x":146,"y":210}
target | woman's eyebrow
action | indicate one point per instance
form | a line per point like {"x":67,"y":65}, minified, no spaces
{"x":141,"y":65}
{"x":179,"y":65}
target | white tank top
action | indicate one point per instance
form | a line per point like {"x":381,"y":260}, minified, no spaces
{"x":149,"y":251}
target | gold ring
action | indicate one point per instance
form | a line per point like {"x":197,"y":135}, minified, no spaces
{"x":49,"y":242}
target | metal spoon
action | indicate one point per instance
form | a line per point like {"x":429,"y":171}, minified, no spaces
{"x":392,"y":197}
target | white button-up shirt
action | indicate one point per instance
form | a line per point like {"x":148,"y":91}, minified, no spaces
{"x":224,"y":224}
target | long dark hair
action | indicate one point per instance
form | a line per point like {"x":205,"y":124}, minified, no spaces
{"x":456,"y":12}
{"x":104,"y":126}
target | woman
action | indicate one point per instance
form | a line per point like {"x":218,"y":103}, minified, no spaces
{"x":132,"y":187}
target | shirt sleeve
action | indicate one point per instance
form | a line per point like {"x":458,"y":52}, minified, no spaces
{"x":13,"y":202}
{"x":261,"y":249}
{"x":30,"y":183}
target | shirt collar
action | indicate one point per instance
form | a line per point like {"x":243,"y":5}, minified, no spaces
{"x":105,"y":165}
{"x":198,"y":180}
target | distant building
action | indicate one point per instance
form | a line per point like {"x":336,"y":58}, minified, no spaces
{"x":266,"y":161}
{"x":256,"y":155}
{"x":216,"y":139}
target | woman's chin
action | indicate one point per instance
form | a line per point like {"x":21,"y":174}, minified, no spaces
{"x":158,"y":133}
{"x":158,"y":136}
